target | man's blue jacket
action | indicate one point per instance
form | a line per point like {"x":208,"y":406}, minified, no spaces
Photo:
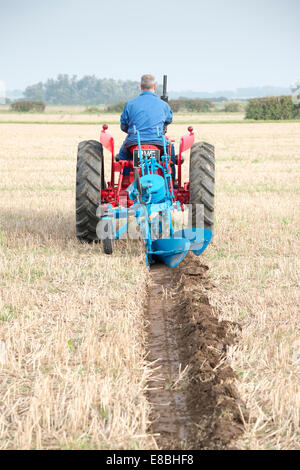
{"x":146,"y":112}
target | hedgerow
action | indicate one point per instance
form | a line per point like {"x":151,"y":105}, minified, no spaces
{"x":25,"y":106}
{"x":272,"y":108}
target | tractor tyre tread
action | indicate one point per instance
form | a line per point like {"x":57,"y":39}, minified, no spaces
{"x":89,"y":181}
{"x":202,"y":181}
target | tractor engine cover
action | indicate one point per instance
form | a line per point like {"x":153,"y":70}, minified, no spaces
{"x":155,"y":185}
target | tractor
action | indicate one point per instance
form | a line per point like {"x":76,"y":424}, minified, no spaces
{"x":148,"y":191}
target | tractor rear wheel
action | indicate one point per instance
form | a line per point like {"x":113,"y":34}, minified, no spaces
{"x":89,"y":182}
{"x":202,"y":181}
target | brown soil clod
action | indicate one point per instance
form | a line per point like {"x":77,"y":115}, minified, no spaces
{"x":194,"y":400}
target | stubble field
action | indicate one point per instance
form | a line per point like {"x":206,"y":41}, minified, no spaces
{"x":73,"y":366}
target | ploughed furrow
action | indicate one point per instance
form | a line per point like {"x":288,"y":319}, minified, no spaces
{"x":171,"y":419}
{"x":193,"y":396}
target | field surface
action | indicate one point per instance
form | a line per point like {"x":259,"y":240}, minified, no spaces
{"x":77,"y":114}
{"x":74,"y":370}
{"x":80,"y":115}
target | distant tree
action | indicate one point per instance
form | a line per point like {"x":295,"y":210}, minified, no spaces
{"x":191,"y":104}
{"x":233,"y":107}
{"x":93,"y":110}
{"x":175,"y":105}
{"x":115,"y":108}
{"x":35,"y":92}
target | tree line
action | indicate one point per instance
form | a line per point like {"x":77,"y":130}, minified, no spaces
{"x":88,"y":90}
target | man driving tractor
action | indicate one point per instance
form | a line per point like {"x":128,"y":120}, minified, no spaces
{"x":150,"y":115}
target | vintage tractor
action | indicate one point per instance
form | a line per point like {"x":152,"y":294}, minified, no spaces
{"x":149,"y":192}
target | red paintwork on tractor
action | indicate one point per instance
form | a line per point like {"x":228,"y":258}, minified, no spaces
{"x":115,"y":192}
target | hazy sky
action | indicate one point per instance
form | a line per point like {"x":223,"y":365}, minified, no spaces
{"x":202,"y":45}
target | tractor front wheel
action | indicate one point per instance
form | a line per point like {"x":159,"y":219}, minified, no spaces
{"x":89,"y":182}
{"x":202,"y":182}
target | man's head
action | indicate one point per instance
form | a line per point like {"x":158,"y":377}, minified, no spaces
{"x":148,"y":83}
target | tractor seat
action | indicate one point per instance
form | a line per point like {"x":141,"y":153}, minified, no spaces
{"x":151,"y":145}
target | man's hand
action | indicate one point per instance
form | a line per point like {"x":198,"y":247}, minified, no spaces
{"x":124,"y":119}
{"x":124,"y":127}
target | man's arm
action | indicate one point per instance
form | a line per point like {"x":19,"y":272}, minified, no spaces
{"x":169,"y":114}
{"x":124,"y":119}
{"x":168,"y":118}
